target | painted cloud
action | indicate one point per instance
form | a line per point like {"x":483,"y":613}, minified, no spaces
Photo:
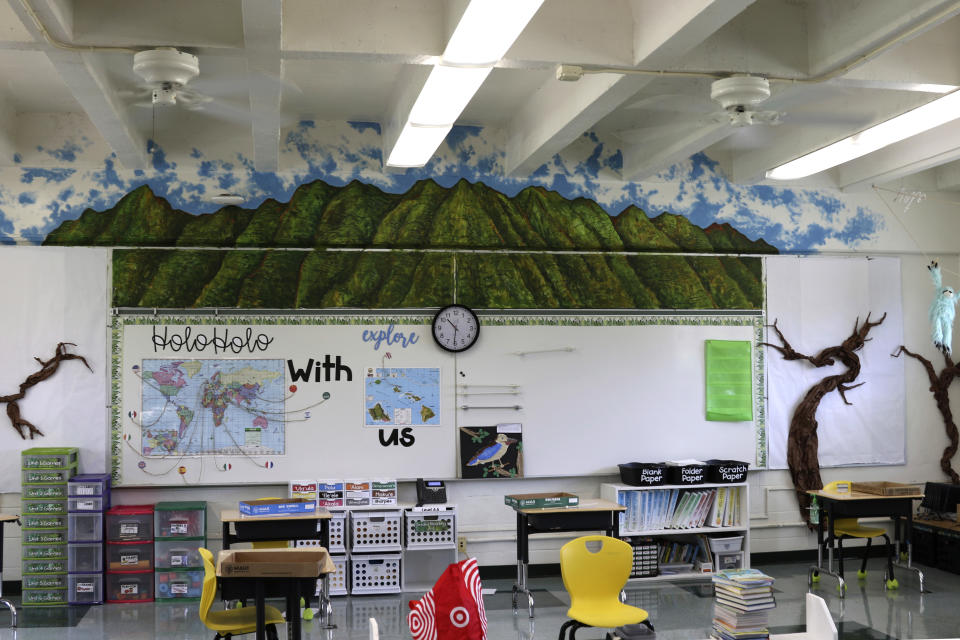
{"x":35,"y":200}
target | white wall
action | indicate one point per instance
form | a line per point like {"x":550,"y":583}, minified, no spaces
{"x":490,"y":526}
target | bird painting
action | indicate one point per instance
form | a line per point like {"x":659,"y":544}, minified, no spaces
{"x":493,"y":453}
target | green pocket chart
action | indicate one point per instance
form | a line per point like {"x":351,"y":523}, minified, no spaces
{"x":728,"y":380}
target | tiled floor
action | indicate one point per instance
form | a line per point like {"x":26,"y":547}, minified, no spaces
{"x":677,"y":610}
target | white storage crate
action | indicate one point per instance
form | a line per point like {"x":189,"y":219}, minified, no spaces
{"x":375,"y":531}
{"x":375,"y":574}
{"x":338,"y":532}
{"x":338,"y":579}
{"x":431,"y":529}
{"x":422,"y":567}
{"x":724,"y":545}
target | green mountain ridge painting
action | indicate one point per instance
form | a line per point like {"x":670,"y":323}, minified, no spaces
{"x":357,"y":246}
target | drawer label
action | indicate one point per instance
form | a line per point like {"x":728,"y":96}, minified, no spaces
{"x":129,"y":589}
{"x":129,"y":528}
{"x":84,"y":587}
{"x":178,"y":528}
{"x":129,"y":558}
{"x":179,"y":588}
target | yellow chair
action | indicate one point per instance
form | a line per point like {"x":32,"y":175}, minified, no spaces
{"x":594,"y":580}
{"x":231,"y":622}
{"x":845,"y":528}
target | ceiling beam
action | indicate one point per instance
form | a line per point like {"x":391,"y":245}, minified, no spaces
{"x":929,"y":149}
{"x":947,"y":176}
{"x":839,"y":33}
{"x":8,"y":121}
{"x":559,"y":112}
{"x":87,"y":81}
{"x":644,"y":159}
{"x":262,"y":35}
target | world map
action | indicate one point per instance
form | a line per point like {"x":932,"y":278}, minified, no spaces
{"x":212,"y":407}
{"x":402,"y":396}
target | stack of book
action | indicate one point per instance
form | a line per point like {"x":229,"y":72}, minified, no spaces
{"x":744,"y":598}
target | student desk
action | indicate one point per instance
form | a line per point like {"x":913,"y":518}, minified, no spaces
{"x":262,"y":587}
{"x":293,"y":527}
{"x":858,"y":504}
{"x":593,"y":514}
{"x":4,"y":519}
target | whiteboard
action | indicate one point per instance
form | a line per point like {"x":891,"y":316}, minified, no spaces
{"x":589,"y":391}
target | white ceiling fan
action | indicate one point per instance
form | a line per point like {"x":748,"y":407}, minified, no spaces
{"x":167,"y":72}
{"x":739,"y":97}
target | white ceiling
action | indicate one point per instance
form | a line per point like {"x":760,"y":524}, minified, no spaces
{"x":269,"y":63}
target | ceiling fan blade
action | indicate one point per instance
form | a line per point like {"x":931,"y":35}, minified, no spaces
{"x":237,"y":84}
{"x":669,"y":130}
{"x":231,"y":112}
{"x":674,"y":103}
{"x":824,"y":118}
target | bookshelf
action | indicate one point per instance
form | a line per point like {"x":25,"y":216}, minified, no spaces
{"x":683,"y":513}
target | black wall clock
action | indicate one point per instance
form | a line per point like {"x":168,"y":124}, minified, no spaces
{"x":456,"y":328}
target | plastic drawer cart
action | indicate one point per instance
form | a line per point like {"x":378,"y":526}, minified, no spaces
{"x":45,"y":472}
{"x":129,"y":554}
{"x":88,"y":496}
{"x":180,"y":529}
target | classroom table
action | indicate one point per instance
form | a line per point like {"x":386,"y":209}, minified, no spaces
{"x":857,"y":504}
{"x":259,"y":588}
{"x":4,"y":519}
{"x":289,"y":527}
{"x":592,"y":514}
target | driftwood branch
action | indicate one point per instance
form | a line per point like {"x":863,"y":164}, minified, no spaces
{"x":47,"y":369}
{"x":940,"y":387}
{"x":802,"y":441}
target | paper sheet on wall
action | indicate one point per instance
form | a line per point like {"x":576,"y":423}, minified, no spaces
{"x":51,"y":295}
{"x":815,"y":302}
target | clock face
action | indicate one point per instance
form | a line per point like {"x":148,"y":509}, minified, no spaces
{"x":456,"y":328}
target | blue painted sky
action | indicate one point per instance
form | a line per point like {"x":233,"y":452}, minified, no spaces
{"x":35,"y":200}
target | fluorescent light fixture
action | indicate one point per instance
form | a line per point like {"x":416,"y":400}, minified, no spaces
{"x":933,"y":114}
{"x":487,"y":30}
{"x":416,"y":145}
{"x":446,"y":94}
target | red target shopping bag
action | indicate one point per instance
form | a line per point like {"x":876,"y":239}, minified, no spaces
{"x":453,"y":608}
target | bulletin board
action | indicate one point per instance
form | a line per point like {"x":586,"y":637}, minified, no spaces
{"x":214,"y":399}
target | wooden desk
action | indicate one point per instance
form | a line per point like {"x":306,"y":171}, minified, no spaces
{"x":857,"y":504}
{"x":262,"y":587}
{"x":4,"y":519}
{"x":314,"y":526}
{"x":592,"y":514}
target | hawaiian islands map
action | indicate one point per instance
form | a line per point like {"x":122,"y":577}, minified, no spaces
{"x":212,"y":407}
{"x":402,"y":396}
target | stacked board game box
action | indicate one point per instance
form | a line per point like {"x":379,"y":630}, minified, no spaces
{"x":743,"y":600}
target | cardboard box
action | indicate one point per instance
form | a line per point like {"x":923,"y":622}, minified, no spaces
{"x":277,"y":507}
{"x":274,"y":563}
{"x":541,"y":500}
{"x":888,"y":488}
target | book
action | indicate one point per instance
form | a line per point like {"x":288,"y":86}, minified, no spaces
{"x":764,"y":593}
{"x":744,"y":577}
{"x":740,"y":606}
{"x":716,"y":516}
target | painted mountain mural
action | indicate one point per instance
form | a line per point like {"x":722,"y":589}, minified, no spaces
{"x":357,"y":246}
